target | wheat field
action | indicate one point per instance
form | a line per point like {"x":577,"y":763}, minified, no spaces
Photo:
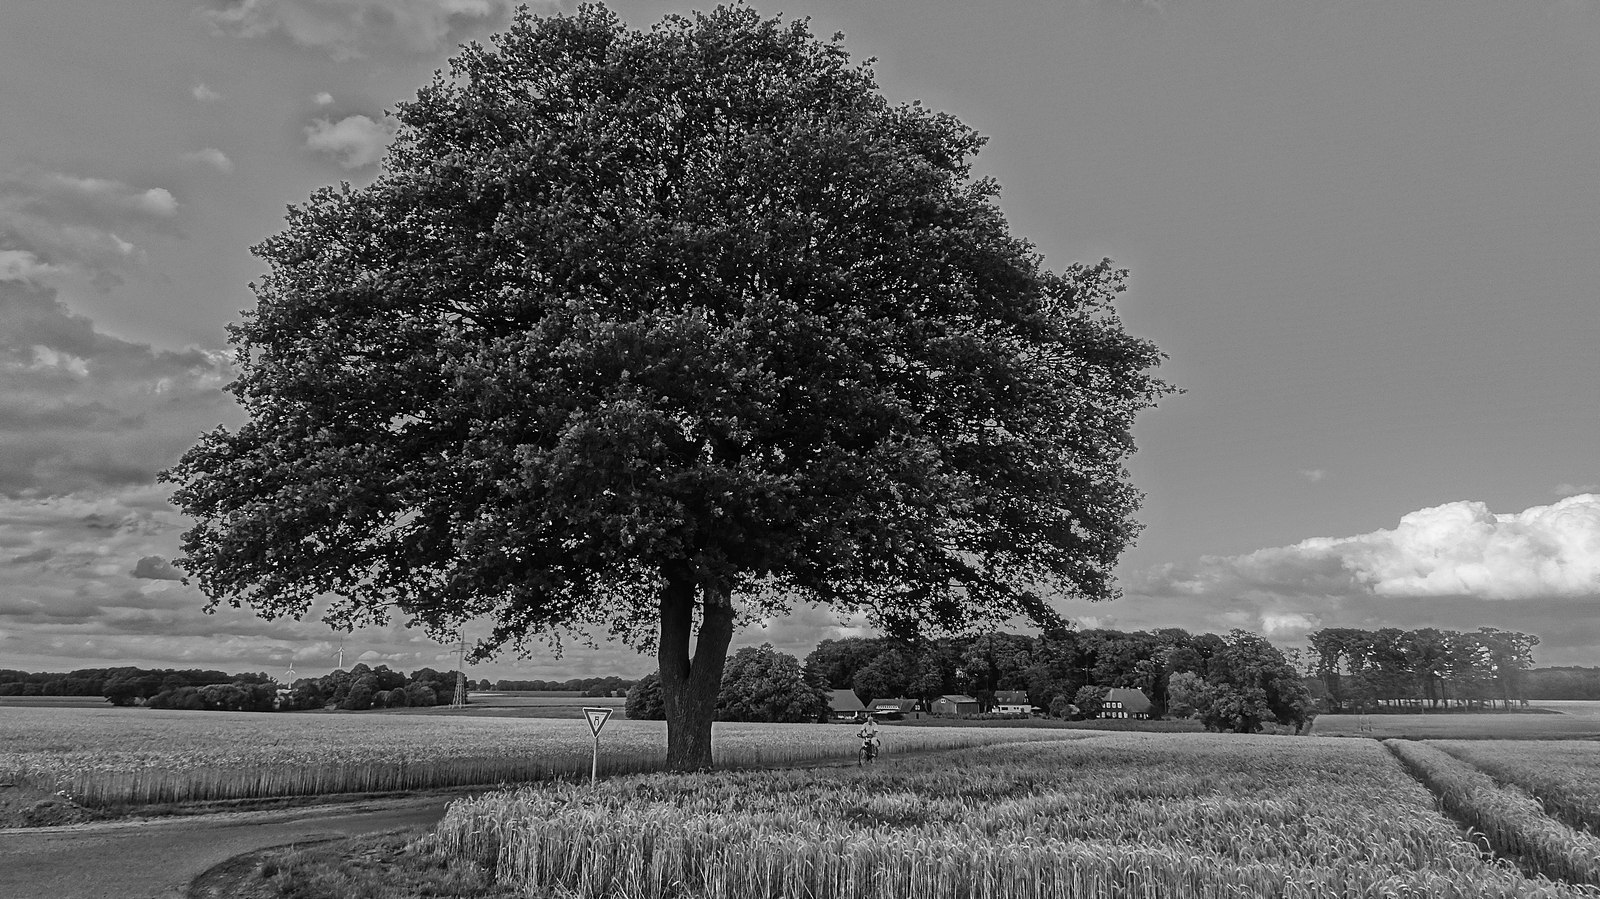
{"x":1124,"y":815}
{"x":134,"y":756}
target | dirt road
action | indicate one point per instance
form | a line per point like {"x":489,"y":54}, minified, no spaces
{"x":157,"y":859}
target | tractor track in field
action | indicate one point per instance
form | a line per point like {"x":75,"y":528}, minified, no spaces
{"x":1477,"y":838}
{"x":1490,"y":845}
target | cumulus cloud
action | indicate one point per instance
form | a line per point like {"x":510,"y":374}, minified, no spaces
{"x":1457,"y":549}
{"x":212,"y":157}
{"x":323,"y":99}
{"x":355,"y":141}
{"x":205,"y":94}
{"x":1313,"y":474}
{"x":1573,"y":489}
{"x":1457,"y":565}
{"x":350,"y":29}
{"x":54,"y":223}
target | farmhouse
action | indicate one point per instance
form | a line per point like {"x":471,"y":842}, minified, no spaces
{"x":954,"y":705}
{"x":1012,"y":702}
{"x":845,"y":705}
{"x":1125,"y":702}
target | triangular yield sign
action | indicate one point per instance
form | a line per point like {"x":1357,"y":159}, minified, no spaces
{"x":597,"y":718}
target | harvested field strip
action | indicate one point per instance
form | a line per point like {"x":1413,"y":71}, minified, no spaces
{"x":114,"y":757}
{"x":1513,"y":822}
{"x":1127,"y":815}
{"x":1564,"y":776}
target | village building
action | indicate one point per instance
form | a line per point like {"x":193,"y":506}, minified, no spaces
{"x":954,"y":705}
{"x":897,"y":706}
{"x":1125,"y":702}
{"x":845,"y":705}
{"x":1012,"y":702}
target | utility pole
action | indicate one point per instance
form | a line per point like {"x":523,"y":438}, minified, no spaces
{"x":460,"y":701}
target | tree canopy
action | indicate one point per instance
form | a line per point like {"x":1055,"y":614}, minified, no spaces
{"x":763,"y":684}
{"x":1248,"y":682}
{"x":635,"y":323}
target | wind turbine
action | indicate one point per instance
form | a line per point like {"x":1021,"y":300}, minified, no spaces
{"x":341,"y":655}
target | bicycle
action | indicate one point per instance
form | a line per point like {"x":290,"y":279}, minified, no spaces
{"x":867,"y":753}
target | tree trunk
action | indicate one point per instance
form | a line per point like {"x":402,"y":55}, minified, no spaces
{"x":689,"y":686}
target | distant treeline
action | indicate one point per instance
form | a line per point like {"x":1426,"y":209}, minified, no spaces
{"x":1362,"y":670}
{"x":588,"y":686}
{"x":360,"y":687}
{"x":1570,"y":682}
{"x":217,"y":690}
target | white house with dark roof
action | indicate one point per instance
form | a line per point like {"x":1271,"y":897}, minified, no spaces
{"x":1012,"y":702}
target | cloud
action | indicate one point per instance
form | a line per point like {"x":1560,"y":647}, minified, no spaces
{"x":212,"y":157}
{"x":1572,"y":489}
{"x":350,"y":29}
{"x":1313,"y":474}
{"x":205,"y":94}
{"x":156,"y":568}
{"x":323,"y":99}
{"x":55,"y":223}
{"x":355,"y":141}
{"x":1458,"y":549}
{"x":86,"y":420}
{"x":84,"y":583}
{"x":1456,"y":565}
{"x":1096,"y":622}
{"x":80,"y":409}
{"x":22,"y":265}
{"x":104,"y":193}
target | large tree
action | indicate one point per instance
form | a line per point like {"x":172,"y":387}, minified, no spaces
{"x":637,"y":332}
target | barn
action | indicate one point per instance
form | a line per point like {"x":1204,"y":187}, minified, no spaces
{"x":954,"y":705}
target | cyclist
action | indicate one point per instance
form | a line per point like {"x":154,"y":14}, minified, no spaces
{"x":869,"y":738}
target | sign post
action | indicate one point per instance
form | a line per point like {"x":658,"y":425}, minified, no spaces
{"x":597,"y":719}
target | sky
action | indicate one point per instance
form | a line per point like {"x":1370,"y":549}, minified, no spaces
{"x":1366,"y":235}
